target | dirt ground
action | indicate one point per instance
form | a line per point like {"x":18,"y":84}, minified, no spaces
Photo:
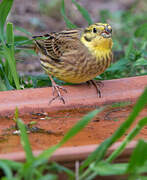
{"x":39,"y":17}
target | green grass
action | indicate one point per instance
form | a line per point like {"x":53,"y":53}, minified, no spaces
{"x":8,"y":75}
{"x":38,"y":168}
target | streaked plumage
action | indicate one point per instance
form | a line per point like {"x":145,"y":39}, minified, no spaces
{"x":77,"y":55}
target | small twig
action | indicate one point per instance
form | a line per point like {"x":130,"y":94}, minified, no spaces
{"x":77,"y":169}
{"x":106,"y":117}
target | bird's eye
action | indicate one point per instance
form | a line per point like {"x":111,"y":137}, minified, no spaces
{"x":94,"y":30}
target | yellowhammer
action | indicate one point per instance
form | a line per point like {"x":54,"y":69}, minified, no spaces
{"x":76,"y":55}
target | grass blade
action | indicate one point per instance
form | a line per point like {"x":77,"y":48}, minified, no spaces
{"x":69,"y":24}
{"x":72,"y":132}
{"x":138,"y":158}
{"x":141,"y":102}
{"x":61,"y":168}
{"x":10,"y":38}
{"x":48,"y":177}
{"x":80,"y":125}
{"x":128,"y":138}
{"x":25,"y":141}
{"x":101,"y":150}
{"x":12,"y":164}
{"x":19,"y":43}
{"x":2,"y":85}
{"x":6,"y":169}
{"x":129,"y":49}
{"x":5,"y":7}
{"x":141,"y":31}
{"x":84,"y":12}
{"x":104,"y":169}
{"x":23,"y":30}
{"x":9,"y":55}
{"x":98,"y":154}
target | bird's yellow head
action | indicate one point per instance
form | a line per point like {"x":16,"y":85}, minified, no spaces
{"x":97,"y":37}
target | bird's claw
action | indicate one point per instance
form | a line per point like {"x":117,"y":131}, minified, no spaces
{"x":56,"y":89}
{"x":97,"y":85}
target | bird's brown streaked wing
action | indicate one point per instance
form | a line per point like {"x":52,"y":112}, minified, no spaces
{"x":56,"y":44}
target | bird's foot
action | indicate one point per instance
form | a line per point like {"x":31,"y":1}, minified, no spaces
{"x":57,"y":93}
{"x":97,"y":85}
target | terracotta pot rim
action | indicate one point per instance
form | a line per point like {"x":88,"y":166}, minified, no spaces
{"x":78,"y":96}
{"x":69,"y":154}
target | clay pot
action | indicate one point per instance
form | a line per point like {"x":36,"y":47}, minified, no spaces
{"x":56,"y":119}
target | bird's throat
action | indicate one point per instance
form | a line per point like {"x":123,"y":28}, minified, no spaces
{"x":99,"y":47}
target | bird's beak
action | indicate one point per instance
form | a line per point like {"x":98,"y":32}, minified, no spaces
{"x":107,"y":33}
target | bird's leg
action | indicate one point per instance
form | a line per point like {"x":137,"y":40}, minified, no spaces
{"x":97,"y":85}
{"x":56,"y":90}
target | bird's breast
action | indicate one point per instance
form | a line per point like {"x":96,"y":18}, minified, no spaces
{"x":77,"y":68}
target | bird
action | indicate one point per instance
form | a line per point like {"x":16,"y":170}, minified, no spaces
{"x":75,"y":55}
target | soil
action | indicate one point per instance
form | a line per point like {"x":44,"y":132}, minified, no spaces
{"x":51,"y":127}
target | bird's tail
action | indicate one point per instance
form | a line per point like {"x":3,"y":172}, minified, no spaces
{"x":31,"y":46}
{"x":29,"y":43}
